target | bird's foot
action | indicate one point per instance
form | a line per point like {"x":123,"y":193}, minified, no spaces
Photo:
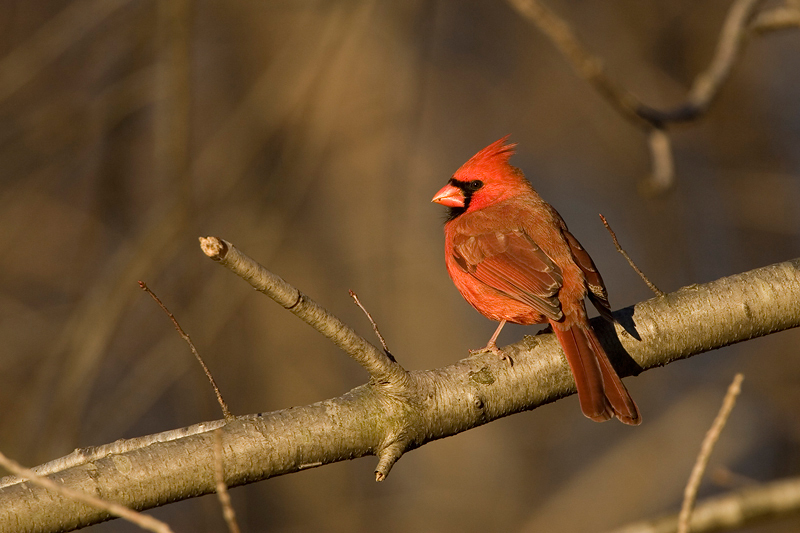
{"x":492,"y":347}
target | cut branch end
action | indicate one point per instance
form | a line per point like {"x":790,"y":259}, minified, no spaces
{"x":213,"y":247}
{"x":387,"y":457}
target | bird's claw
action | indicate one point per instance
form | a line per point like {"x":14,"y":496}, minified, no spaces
{"x":496,"y":351}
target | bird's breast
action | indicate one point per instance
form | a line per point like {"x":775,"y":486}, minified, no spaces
{"x":491,"y":303}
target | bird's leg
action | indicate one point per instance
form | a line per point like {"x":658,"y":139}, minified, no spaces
{"x":492,"y":347}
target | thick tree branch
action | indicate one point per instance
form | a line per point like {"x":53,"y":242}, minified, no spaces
{"x":387,"y":418}
{"x":222,"y":490}
{"x":142,"y":520}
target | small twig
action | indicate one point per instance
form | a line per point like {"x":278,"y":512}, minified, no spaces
{"x":142,"y":520}
{"x":690,"y":494}
{"x":222,"y":489}
{"x":225,"y":411}
{"x":374,"y":325}
{"x":380,"y":366}
{"x":653,"y":288}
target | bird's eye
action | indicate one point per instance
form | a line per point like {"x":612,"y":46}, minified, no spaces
{"x":474,"y":185}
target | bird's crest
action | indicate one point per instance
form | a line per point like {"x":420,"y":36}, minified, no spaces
{"x":493,"y":157}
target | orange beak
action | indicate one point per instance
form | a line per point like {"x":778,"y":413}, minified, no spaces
{"x":449,"y":196}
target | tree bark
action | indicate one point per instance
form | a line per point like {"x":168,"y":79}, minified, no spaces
{"x":389,"y":418}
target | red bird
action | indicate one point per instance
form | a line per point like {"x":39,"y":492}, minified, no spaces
{"x":512,"y":258}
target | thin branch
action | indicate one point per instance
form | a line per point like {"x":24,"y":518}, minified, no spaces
{"x":379,"y":365}
{"x":587,"y":65}
{"x":707,"y":84}
{"x":374,"y":325}
{"x":662,"y":162}
{"x":732,"y":511}
{"x":690,"y":494}
{"x":142,"y":520}
{"x":222,"y":488}
{"x":650,"y":284}
{"x":742,"y":18}
{"x":225,"y":411}
{"x":782,"y":18}
{"x":590,"y":67}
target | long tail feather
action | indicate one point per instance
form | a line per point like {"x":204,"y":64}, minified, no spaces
{"x":624,"y":407}
{"x":600,"y":391}
{"x":587,"y":372}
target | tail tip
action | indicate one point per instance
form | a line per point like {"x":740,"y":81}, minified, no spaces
{"x":630,"y":417}
{"x":632,"y":420}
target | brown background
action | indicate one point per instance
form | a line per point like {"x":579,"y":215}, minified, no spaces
{"x":313,"y":136}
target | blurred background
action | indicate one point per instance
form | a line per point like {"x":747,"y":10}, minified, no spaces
{"x":313,"y":136}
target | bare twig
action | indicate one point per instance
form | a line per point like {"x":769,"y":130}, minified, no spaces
{"x":222,"y":489}
{"x":142,"y":520}
{"x":653,"y":288}
{"x":374,"y":325}
{"x":225,"y":411}
{"x":690,"y":494}
{"x":379,"y":365}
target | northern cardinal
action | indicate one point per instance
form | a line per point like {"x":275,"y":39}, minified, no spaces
{"x":512,"y":258}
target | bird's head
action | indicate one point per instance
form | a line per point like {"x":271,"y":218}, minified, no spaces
{"x":487,"y":178}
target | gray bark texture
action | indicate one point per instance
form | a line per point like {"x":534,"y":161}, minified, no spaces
{"x":389,"y":417}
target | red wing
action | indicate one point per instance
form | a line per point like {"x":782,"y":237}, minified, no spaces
{"x":597,"y":289}
{"x":513,"y":264}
